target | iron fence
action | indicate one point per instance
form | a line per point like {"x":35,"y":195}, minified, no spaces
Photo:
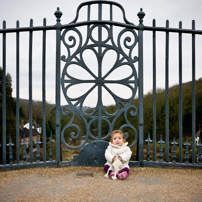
{"x":60,"y":30}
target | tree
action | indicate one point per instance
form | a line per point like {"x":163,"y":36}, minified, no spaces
{"x":10,"y":111}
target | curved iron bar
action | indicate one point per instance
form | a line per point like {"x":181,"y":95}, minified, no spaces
{"x":76,"y":47}
{"x":89,"y":3}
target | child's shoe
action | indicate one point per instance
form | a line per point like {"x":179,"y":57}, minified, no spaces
{"x":123,"y":175}
{"x":112,"y":174}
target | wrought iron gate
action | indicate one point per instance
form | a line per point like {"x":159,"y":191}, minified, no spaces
{"x":99,"y":38}
{"x":99,"y":42}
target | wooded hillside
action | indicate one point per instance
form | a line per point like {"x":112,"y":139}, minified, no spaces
{"x":148,"y":112}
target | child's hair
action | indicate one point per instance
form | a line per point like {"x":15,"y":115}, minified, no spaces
{"x":115,"y":132}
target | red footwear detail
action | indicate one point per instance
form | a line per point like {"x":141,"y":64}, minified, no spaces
{"x":123,"y":175}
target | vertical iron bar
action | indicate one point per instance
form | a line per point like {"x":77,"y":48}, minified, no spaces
{"x":111,"y":12}
{"x":100,"y":12}
{"x":141,"y":15}
{"x":17,"y":93}
{"x":44,"y":89}
{"x":88,"y":18}
{"x":99,"y":72}
{"x":58,"y":15}
{"x":193,"y":95}
{"x":30,"y":93}
{"x":154,"y":92}
{"x":4,"y":97}
{"x":180,"y":94}
{"x":167,"y":93}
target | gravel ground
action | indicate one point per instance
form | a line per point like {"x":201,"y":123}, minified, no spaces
{"x":63,"y":184}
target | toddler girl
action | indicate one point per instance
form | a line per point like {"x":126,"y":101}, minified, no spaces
{"x":118,"y":147}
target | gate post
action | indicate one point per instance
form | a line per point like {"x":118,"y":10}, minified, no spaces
{"x":141,"y":15}
{"x":58,"y":15}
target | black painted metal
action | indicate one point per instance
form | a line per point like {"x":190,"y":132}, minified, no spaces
{"x":174,"y":150}
{"x":167,"y":94}
{"x":24,"y":156}
{"x":161,"y":142}
{"x":93,"y":154}
{"x":30,"y":92}
{"x":99,"y":47}
{"x":148,"y":146}
{"x":37,"y":150}
{"x":186,"y":144}
{"x":193,"y":95}
{"x":17,"y":93}
{"x":141,"y":15}
{"x":10,"y":151}
{"x":58,"y":15}
{"x":180,"y":94}
{"x":51,"y":148}
{"x":154,"y":92}
{"x":44,"y":90}
{"x":4,"y":98}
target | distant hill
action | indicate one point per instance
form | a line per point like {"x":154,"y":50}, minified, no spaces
{"x":148,"y":111}
{"x":173,"y":109}
{"x":27,"y":101}
{"x":37,"y":102}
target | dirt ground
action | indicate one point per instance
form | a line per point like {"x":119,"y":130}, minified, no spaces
{"x":64,"y":184}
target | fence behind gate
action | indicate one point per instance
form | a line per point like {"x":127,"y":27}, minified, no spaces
{"x":101,"y":37}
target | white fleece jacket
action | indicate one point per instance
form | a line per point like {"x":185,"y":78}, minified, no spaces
{"x":123,"y":151}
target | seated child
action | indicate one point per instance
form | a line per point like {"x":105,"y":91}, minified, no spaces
{"x":118,"y":147}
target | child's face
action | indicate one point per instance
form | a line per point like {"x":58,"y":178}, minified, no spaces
{"x":117,"y":139}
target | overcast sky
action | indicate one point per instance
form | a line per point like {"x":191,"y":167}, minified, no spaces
{"x":161,"y":10}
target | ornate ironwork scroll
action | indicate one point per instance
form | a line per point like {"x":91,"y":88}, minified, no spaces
{"x":101,"y":41}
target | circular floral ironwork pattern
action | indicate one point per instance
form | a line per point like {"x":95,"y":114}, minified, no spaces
{"x":98,"y":46}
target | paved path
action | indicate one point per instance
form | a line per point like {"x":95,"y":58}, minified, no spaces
{"x":63,"y":184}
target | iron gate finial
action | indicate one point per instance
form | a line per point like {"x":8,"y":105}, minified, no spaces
{"x":141,"y":15}
{"x":58,"y":14}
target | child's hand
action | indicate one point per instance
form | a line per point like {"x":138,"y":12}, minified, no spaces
{"x":114,"y":159}
{"x":120,"y":158}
